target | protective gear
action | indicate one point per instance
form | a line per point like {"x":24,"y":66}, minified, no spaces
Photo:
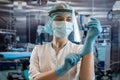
{"x":70,"y":61}
{"x":95,"y":29}
{"x":62,"y":29}
{"x":63,"y":8}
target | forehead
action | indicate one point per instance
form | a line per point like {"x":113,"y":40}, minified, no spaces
{"x":64,"y":15}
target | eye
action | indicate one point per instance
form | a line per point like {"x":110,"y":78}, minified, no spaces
{"x":69,"y":19}
{"x":59,"y":19}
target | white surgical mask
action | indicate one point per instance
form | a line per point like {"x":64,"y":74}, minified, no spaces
{"x":62,"y":29}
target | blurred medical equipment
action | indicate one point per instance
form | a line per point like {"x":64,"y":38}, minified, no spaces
{"x":18,"y":61}
{"x":115,"y":52}
{"x":22,"y":70}
{"x":114,"y":16}
{"x":29,"y":47}
{"x":8,"y":39}
{"x":14,"y":55}
{"x":83,"y":20}
{"x":103,"y":56}
{"x":108,"y":58}
{"x":41,"y":34}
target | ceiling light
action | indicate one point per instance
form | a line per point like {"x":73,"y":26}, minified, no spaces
{"x":116,"y":8}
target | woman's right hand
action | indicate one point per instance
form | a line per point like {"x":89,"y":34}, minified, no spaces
{"x":70,"y":61}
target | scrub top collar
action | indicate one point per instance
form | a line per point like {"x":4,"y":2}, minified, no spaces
{"x":51,"y":44}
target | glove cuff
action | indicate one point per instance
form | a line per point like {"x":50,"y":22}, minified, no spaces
{"x":60,"y":71}
{"x":88,"y":47}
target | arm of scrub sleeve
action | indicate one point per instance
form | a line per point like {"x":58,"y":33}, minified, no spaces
{"x":87,"y":63}
{"x":34,"y":70}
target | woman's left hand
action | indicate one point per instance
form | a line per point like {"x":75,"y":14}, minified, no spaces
{"x":95,"y":29}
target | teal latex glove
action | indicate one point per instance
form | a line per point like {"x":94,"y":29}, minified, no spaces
{"x":70,"y":61}
{"x":26,"y":75}
{"x":95,"y":29}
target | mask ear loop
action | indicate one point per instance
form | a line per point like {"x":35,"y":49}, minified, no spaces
{"x":77,"y":36}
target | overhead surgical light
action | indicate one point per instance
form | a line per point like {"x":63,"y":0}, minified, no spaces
{"x":53,"y":0}
{"x":115,"y":11}
{"x":42,"y":2}
{"x":19,"y":4}
{"x":116,"y":8}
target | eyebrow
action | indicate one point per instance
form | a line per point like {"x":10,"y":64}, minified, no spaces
{"x":61,"y":16}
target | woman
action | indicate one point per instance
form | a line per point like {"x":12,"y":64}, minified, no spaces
{"x":62,"y":59}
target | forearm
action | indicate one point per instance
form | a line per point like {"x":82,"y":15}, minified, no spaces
{"x":87,"y":67}
{"x":88,"y":47}
{"x":50,"y":75}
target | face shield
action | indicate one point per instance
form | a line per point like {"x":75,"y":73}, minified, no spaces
{"x":59,"y":9}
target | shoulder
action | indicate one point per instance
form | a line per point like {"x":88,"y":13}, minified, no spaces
{"x":38,"y":49}
{"x":42,"y":47}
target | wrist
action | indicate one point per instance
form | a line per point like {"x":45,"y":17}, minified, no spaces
{"x":61,"y":70}
{"x":89,"y":42}
{"x":88,"y":47}
{"x":90,"y":39}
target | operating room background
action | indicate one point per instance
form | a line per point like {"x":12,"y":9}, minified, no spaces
{"x":22,"y":25}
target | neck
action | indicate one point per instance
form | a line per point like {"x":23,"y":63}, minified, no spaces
{"x":59,"y":42}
